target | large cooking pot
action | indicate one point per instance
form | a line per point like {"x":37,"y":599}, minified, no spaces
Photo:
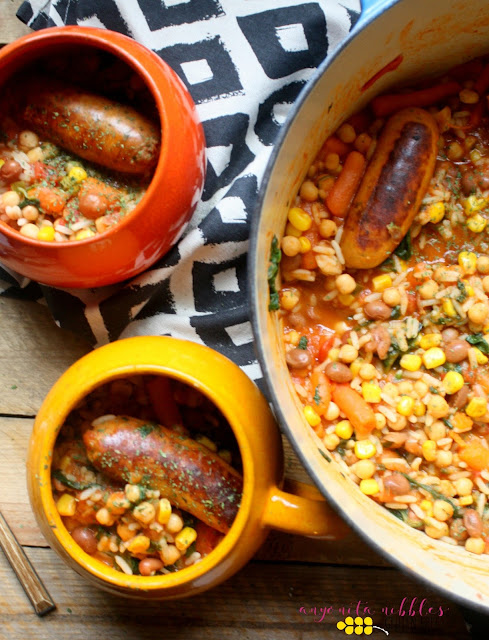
{"x":431,"y":37}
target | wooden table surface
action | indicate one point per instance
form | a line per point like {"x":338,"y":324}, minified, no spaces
{"x":272,"y":598}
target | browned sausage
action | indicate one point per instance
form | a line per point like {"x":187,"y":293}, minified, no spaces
{"x":91,"y":126}
{"x":392,"y":188}
{"x":188,"y":474}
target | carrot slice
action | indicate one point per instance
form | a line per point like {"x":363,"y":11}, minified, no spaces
{"x":343,"y":190}
{"x":475,"y":455}
{"x":322,"y":392}
{"x":358,"y":412}
{"x":207,"y":538}
{"x":391,"y":102}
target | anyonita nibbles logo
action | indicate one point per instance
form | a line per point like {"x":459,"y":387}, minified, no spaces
{"x":359,"y":618}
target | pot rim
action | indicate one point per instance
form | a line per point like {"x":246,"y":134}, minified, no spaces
{"x":373,"y":13}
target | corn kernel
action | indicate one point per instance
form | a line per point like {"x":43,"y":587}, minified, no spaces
{"x":164,"y":511}
{"x":305,"y":244}
{"x":371,"y":392}
{"x":382,"y":282}
{"x":356,"y":366}
{"x":448,"y":308}
{"x":333,"y":354}
{"x":46,"y":234}
{"x":419,"y":409}
{"x":473,"y":204}
{"x":83,"y":234}
{"x":476,"y":408}
{"x":477,"y":223}
{"x":464,"y":501}
{"x":468,"y":261}
{"x":365,"y":449}
{"x":77,"y":174}
{"x":436,"y":212}
{"x":479,"y":356}
{"x":438,"y":407}
{"x":139,"y":544}
{"x":369,"y":487}
{"x":66,"y":505}
{"x":2,"y":162}
{"x":289,"y":298}
{"x":344,"y":430}
{"x":411,"y":362}
{"x":427,"y":507}
{"x":469,"y":289}
{"x":453,"y":382}
{"x":311,"y":416}
{"x":405,"y":406}
{"x":430,"y":340}
{"x":346,"y":299}
{"x":433,"y":357}
{"x":299,"y":219}
{"x":290,"y":230}
{"x":184,"y":539}
{"x":429,"y":450}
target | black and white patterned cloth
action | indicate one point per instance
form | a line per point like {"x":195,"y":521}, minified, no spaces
{"x":244,"y":63}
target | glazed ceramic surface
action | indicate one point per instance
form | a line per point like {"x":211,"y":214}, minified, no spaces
{"x":431,"y":37}
{"x":149,"y":231}
{"x":264,"y":504}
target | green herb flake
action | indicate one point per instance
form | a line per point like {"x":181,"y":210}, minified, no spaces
{"x":302,"y":343}
{"x":275,"y":258}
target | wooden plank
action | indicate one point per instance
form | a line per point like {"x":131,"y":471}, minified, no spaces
{"x":246,"y":606}
{"x":10,"y":26}
{"x":34,"y":352}
{"x":14,"y":504}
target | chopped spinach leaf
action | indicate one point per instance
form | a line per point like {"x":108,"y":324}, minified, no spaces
{"x":302,"y":343}
{"x":72,"y":484}
{"x":478,"y":340}
{"x":317,"y":397}
{"x":436,"y":494}
{"x":396,"y":312}
{"x":275,"y":257}
{"x":405,"y":248}
{"x":325,"y":455}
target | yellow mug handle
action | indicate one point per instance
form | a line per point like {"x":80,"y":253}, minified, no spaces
{"x":301,"y":509}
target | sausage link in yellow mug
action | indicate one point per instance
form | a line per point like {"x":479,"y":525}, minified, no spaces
{"x":264,"y":504}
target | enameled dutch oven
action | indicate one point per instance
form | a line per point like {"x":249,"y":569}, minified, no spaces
{"x":158,"y":220}
{"x":431,"y":37}
{"x":264,"y":505}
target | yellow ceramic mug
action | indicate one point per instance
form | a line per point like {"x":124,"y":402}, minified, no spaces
{"x":264,"y":505}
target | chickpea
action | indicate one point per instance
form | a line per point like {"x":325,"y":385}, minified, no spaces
{"x":483,"y":264}
{"x":10,"y":199}
{"x":405,"y":387}
{"x":428,"y":289}
{"x":30,"y":230}
{"x":485,"y":284}
{"x":104,"y":517}
{"x":332,"y":411}
{"x":30,"y":213}
{"x":332,"y":161}
{"x":174,"y":524}
{"x":35,"y":155}
{"x":309,"y":191}
{"x":421,"y":388}
{"x":144,"y":512}
{"x":348,"y":353}
{"x":398,"y":424}
{"x":367,"y":371}
{"x":436,"y":431}
{"x":345,"y":284}
{"x":28,"y":140}
{"x":291,"y":246}
{"x":443,"y":459}
{"x":391,"y":296}
{"x":346,"y":133}
{"x":364,"y":469}
{"x":327,"y":228}
{"x":442,"y":510}
{"x":363,"y":142}
{"x":478,"y":313}
{"x":455,"y":151}
{"x":331,"y":441}
{"x":169,"y":554}
{"x":13,"y":213}
{"x":436,"y":532}
{"x":475,"y":545}
{"x":463,"y":486}
{"x":380,"y":420}
{"x":438,"y":407}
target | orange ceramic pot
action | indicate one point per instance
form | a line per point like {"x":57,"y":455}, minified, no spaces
{"x":156,"y":223}
{"x":264,"y":504}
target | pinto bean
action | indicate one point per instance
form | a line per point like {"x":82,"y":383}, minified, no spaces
{"x":459,"y":399}
{"x":338,"y":372}
{"x":85,"y":537}
{"x":456,"y":350}
{"x":396,"y":484}
{"x":449,"y":334}
{"x":468,"y":182}
{"x":297,"y":320}
{"x":381,"y":341}
{"x":457,"y":530}
{"x":473,"y":523}
{"x":377,"y":310}
{"x":298,"y":358}
{"x":149,"y":566}
{"x":10,"y":171}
